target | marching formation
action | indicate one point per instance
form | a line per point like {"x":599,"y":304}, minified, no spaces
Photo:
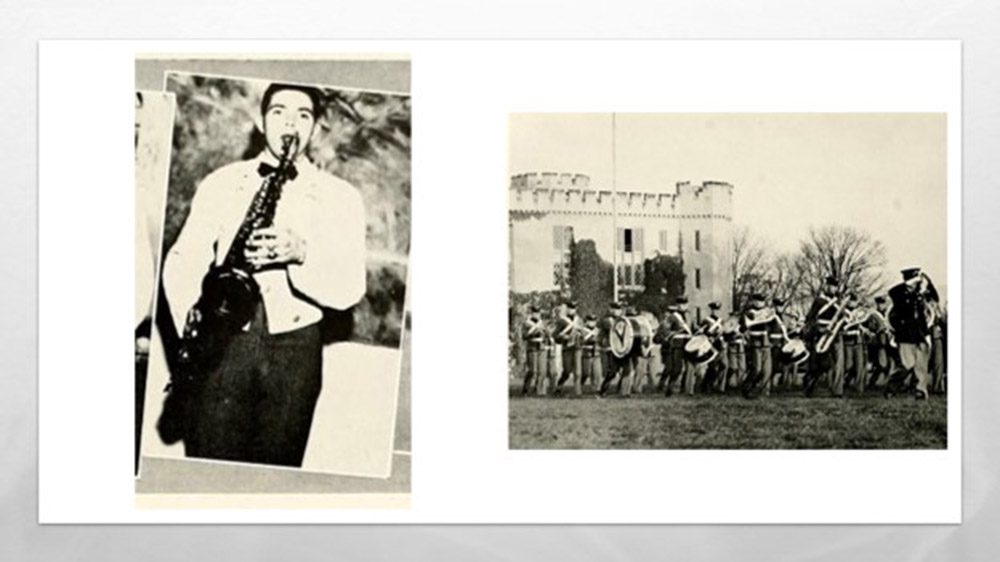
{"x":896,"y":346}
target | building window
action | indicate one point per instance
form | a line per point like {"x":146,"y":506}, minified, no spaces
{"x":697,"y":278}
{"x":562,"y":243}
{"x":697,"y":312}
{"x":697,"y":240}
{"x":663,"y":242}
{"x":630,"y":252}
{"x":638,"y":276}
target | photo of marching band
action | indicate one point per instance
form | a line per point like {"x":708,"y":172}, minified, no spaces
{"x":718,"y":337}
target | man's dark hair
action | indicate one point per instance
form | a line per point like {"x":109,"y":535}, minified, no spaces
{"x":315,"y":96}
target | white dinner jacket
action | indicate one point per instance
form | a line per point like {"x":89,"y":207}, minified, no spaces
{"x":325,"y":211}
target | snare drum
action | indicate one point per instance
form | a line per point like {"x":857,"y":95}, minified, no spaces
{"x":699,"y":349}
{"x":794,"y":352}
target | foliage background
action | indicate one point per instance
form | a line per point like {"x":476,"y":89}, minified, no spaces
{"x":363,"y":138}
{"x":590,"y":285}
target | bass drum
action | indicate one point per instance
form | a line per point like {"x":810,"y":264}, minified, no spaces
{"x":622,"y":336}
{"x":699,"y":349}
{"x":630,"y":336}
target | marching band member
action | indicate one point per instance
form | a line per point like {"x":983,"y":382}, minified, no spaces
{"x":780,"y":369}
{"x":821,"y":321}
{"x":855,"y":364}
{"x":662,"y":338}
{"x":534,"y":335}
{"x":674,"y":334}
{"x":912,"y":317}
{"x":937,"y":366}
{"x":717,"y":369}
{"x":736,"y":352}
{"x":758,"y":322}
{"x":553,"y":351}
{"x":567,"y":335}
{"x":641,"y":362}
{"x":620,"y":368}
{"x":591,"y":352}
{"x":881,"y":345}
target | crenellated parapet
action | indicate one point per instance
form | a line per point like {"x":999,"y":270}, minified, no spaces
{"x":562,"y":193}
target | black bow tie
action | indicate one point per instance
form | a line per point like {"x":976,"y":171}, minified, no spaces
{"x":266,"y":169}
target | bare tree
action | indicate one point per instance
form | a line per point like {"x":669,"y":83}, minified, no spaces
{"x":787,"y":281}
{"x":750,"y":265}
{"x":847,"y":253}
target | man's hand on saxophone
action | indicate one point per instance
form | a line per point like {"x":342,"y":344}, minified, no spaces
{"x":274,"y":247}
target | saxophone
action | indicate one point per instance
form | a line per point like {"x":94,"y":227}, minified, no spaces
{"x":228,"y":302}
{"x":229,"y":293}
{"x":839,"y":319}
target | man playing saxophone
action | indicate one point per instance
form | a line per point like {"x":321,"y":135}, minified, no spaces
{"x":256,"y":403}
{"x":823,"y":323}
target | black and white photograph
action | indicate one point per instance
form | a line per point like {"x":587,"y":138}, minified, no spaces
{"x":728,"y":281}
{"x":154,"y":118}
{"x":280,"y":316}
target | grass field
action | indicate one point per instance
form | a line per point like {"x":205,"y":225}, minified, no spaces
{"x":783,"y":421}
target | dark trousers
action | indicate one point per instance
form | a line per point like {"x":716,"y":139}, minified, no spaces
{"x":829,"y":365}
{"x":621,"y":368}
{"x":882,"y":359}
{"x":257,"y":405}
{"x":141,"y":363}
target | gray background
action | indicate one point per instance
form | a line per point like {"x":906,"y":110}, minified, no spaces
{"x":975,"y":22}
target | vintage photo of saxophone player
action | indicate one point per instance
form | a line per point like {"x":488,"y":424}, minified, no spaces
{"x":728,"y":281}
{"x":280,"y":317}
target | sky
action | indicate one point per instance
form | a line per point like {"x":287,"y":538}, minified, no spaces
{"x":884,"y":173}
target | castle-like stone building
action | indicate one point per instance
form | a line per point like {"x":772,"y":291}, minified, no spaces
{"x":548,"y":211}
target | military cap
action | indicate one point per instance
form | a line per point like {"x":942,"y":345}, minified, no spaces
{"x":591,"y":318}
{"x":715,"y":305}
{"x":880,"y":299}
{"x":910,"y":273}
{"x":533,"y":308}
{"x":570,"y":304}
{"x":832,"y":280}
{"x":681,"y":300}
{"x":758,"y":297}
{"x":632,"y":311}
{"x":617,"y":305}
{"x":777,"y":302}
